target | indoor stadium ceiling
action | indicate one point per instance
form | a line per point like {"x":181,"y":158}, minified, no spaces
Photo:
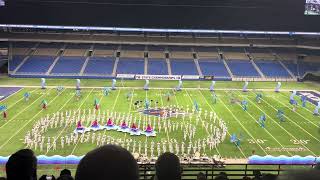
{"x":276,"y":15}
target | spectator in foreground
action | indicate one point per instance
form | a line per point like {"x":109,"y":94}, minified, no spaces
{"x":65,"y":175}
{"x":168,"y":167}
{"x":108,"y":162}
{"x":22,"y":165}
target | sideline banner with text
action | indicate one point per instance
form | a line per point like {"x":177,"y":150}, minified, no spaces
{"x":159,"y":77}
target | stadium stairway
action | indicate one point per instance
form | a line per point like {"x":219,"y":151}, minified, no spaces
{"x":227,"y":67}
{"x":257,"y":68}
{"x":30,"y":53}
{"x":114,"y":71}
{"x":196,"y":62}
{"x":56,"y":59}
{"x":86,"y":61}
{"x":286,"y":68}
{"x":145,"y":65}
{"x":169,"y":66}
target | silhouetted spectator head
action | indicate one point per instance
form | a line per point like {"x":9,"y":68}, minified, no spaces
{"x":47,"y":177}
{"x":22,"y":165}
{"x":168,"y":167}
{"x":65,"y":172}
{"x":65,"y":175}
{"x":201,"y":176}
{"x":108,"y":162}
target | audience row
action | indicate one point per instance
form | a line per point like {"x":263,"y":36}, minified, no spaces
{"x":112,"y":162}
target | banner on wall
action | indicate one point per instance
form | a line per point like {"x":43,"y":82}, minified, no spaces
{"x":208,"y":77}
{"x":158,"y":77}
{"x":125,"y":76}
{"x":190,"y":77}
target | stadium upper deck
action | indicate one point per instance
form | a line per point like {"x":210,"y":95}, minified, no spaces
{"x":224,"y":56}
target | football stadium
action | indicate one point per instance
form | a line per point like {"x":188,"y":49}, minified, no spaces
{"x":229,"y":91}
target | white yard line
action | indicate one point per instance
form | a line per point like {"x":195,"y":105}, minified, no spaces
{"x":77,"y":110}
{"x":168,"y":138}
{"x":265,"y":129}
{"x":18,"y":100}
{"x":14,"y":117}
{"x":75,"y":147}
{"x":28,"y":122}
{"x":12,"y":94}
{"x":216,"y":113}
{"x":243,"y":127}
{"x":293,"y":122}
{"x":280,"y":126}
{"x":170,"y":88}
{"x":216,"y":147}
{"x":296,"y":112}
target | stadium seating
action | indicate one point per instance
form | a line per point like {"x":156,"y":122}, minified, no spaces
{"x":308,"y":66}
{"x":130,"y":66}
{"x":68,"y":65}
{"x":157,"y":67}
{"x":183,"y":67}
{"x":99,"y":65}
{"x":242,"y":68}
{"x":272,"y":68}
{"x":14,"y":62}
{"x":213,"y":67}
{"x":36,"y":64}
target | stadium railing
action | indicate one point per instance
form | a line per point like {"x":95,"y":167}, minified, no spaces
{"x":190,"y":171}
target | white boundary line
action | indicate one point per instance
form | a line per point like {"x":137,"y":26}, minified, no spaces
{"x":202,"y":120}
{"x":28,"y":122}
{"x":23,"y":110}
{"x":294,"y":122}
{"x":188,"y":88}
{"x":75,"y":147}
{"x":296,"y":112}
{"x":252,"y":102}
{"x":13,"y":94}
{"x":217,"y":114}
{"x":243,"y":127}
{"x":61,"y":109}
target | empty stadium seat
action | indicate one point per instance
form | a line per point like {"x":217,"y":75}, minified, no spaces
{"x":36,"y":64}
{"x":14,"y":62}
{"x":157,"y":67}
{"x":68,"y":65}
{"x":213,"y":67}
{"x":242,"y":68}
{"x":272,"y":68}
{"x":99,"y":65}
{"x":130,"y":66}
{"x":183,"y":67}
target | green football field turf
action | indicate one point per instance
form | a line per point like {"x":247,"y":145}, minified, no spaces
{"x":298,"y":135}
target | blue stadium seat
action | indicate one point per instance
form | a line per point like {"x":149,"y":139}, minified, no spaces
{"x":130,"y":66}
{"x":157,"y":67}
{"x":14,"y":62}
{"x":292,"y":66}
{"x":308,"y":66}
{"x":70,"y":65}
{"x":99,"y":65}
{"x":213,"y":67}
{"x":37,"y":64}
{"x":242,"y":68}
{"x":183,"y":67}
{"x":272,"y":68}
